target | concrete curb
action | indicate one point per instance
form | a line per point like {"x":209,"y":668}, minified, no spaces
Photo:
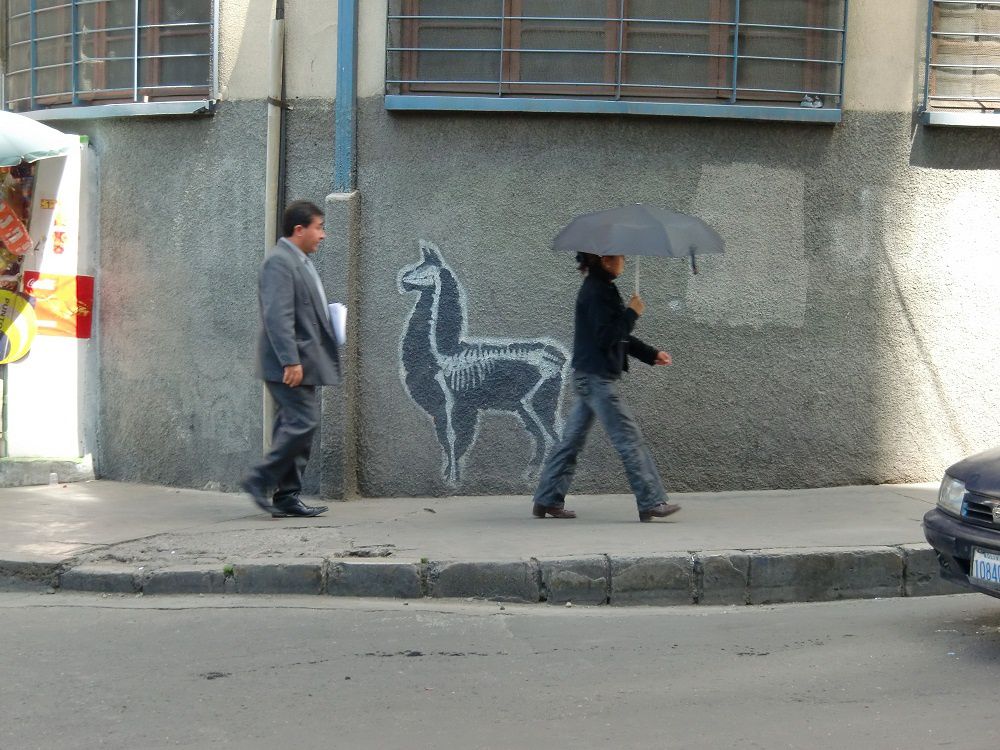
{"x":764,"y":576}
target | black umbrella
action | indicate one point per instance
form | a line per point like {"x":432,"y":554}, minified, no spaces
{"x":640,"y":230}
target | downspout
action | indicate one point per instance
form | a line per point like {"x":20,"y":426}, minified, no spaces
{"x":275,"y":125}
{"x":345,"y":106}
{"x":274,"y":166}
{"x":343,"y":207}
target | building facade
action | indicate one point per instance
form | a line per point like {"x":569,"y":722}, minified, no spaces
{"x":848,"y":156}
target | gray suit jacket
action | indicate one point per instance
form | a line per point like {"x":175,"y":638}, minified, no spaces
{"x":295,"y":326}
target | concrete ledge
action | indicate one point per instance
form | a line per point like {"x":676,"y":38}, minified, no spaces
{"x":372,"y":577}
{"x":582,"y":580}
{"x":652,"y":580}
{"x":109,"y":579}
{"x":498,"y":581}
{"x":26,"y":472}
{"x":195,"y":579}
{"x":825,"y":574}
{"x":299,"y":576}
{"x":923,"y":573}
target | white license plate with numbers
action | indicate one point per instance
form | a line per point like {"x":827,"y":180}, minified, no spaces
{"x":985,"y":568}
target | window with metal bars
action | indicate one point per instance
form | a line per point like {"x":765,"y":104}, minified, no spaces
{"x":65,"y":53}
{"x":760,"y":52}
{"x":963,"y":57}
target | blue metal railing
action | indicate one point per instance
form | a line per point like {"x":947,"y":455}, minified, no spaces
{"x":75,"y":35}
{"x":403,"y":59}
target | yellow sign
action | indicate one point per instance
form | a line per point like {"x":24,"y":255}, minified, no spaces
{"x":18,"y":326}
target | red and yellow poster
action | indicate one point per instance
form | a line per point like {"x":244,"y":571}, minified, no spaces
{"x":64,"y":305}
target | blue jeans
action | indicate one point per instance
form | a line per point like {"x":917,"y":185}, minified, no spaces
{"x":598,"y":396}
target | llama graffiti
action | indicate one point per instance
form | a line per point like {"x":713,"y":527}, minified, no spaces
{"x":454,"y":378}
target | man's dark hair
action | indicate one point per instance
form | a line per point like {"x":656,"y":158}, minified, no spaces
{"x":296,"y":213}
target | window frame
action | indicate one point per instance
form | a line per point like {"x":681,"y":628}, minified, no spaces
{"x":137,"y":99}
{"x":719,"y":94}
{"x":955,"y":116}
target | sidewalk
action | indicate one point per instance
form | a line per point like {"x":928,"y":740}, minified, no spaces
{"x":722,"y":548}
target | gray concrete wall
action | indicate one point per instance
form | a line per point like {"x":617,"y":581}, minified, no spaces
{"x":833,"y":344}
{"x":844,"y":338}
{"x":181,"y":217}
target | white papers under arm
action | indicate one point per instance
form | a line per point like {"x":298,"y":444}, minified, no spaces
{"x":338,"y":318}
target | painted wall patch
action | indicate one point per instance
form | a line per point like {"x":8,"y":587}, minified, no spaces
{"x":454,"y":378}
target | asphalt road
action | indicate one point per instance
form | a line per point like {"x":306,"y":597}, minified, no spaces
{"x":123,"y":672}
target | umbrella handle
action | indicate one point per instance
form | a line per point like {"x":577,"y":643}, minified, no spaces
{"x":694,"y":265}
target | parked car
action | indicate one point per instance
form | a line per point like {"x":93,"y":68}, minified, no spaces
{"x":964,"y":528}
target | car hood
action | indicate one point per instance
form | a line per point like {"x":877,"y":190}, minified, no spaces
{"x":981,"y":472}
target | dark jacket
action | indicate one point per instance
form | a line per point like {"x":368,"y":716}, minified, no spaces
{"x":295,"y":326}
{"x":602,"y":339}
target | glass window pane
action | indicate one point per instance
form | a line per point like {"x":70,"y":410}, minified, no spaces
{"x":815,"y":45}
{"x":671,"y":69}
{"x":52,"y":22}
{"x":825,"y":13}
{"x":54,"y":51}
{"x":173,"y":41}
{"x":98,"y":44}
{"x":454,"y":8}
{"x":53,"y":81}
{"x":175,"y":11}
{"x":20,"y":29}
{"x":796,"y":77}
{"x":570,"y":8}
{"x":19,"y":87}
{"x":683,"y":10}
{"x":98,"y":75}
{"x":178,"y":71}
{"x":457,"y":66}
{"x":109,"y":14}
{"x":597,"y":63}
{"x":19,"y":57}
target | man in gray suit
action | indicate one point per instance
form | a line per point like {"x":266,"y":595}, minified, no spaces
{"x":296,"y":352}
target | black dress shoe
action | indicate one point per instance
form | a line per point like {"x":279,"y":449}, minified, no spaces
{"x":658,"y":511}
{"x":540,"y":511}
{"x":257,"y":495}
{"x":298,"y":509}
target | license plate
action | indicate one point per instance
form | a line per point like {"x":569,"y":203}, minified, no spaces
{"x":985,"y":568}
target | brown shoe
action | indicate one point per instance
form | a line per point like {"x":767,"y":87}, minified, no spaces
{"x":540,"y":511}
{"x":658,"y":511}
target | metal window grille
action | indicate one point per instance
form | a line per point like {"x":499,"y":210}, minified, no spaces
{"x":64,"y":53}
{"x":723,"y":51}
{"x":963,"y":56}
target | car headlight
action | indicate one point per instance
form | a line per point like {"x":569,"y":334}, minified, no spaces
{"x":950,"y":495}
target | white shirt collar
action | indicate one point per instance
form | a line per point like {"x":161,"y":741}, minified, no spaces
{"x":295,"y":247}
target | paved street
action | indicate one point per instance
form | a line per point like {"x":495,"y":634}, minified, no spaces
{"x":86,"y":671}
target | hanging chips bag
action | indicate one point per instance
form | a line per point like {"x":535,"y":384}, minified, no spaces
{"x":13,"y":233}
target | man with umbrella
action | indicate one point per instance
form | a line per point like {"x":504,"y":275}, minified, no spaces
{"x":603,"y":342}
